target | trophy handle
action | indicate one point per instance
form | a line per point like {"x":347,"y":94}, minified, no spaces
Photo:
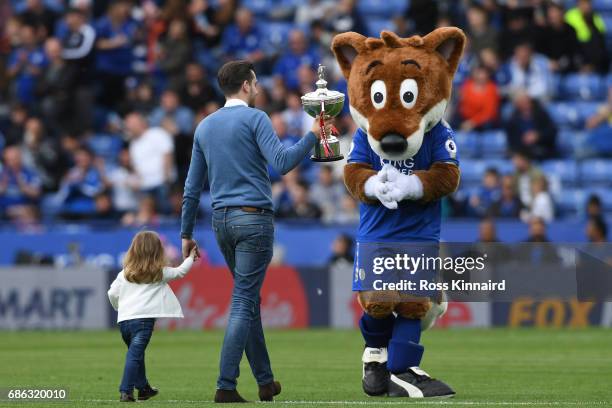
{"x":326,"y":148}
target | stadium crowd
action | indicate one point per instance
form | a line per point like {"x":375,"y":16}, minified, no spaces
{"x":99,"y":100}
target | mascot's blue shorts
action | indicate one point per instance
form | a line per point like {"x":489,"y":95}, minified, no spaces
{"x":404,"y":267}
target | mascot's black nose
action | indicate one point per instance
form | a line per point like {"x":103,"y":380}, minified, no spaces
{"x":393,"y":143}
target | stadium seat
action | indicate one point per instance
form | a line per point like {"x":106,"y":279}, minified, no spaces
{"x":596,"y":172}
{"x":493,"y":144}
{"x":259,"y":8}
{"x":600,"y":6}
{"x":607,"y":18}
{"x":381,"y":8}
{"x":585,"y":87}
{"x":557,"y":86}
{"x":467,"y":143}
{"x":375,"y":26}
{"x":603,"y":6}
{"x":311,"y":174}
{"x":569,"y":141}
{"x":472,"y":171}
{"x":277,"y":33}
{"x":504,"y":166}
{"x":565,"y":170}
{"x":564,"y":114}
{"x":570,"y":202}
{"x":586,"y":110}
{"x":506,"y":111}
{"x":106,"y":146}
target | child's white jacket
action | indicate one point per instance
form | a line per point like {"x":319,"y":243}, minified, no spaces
{"x":144,"y":300}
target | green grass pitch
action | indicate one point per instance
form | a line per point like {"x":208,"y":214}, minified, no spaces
{"x":494,"y":367}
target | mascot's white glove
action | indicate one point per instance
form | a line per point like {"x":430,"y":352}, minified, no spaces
{"x":402,"y":186}
{"x":377,"y":187}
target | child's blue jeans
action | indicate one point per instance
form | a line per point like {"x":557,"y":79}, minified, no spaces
{"x":136,"y":334}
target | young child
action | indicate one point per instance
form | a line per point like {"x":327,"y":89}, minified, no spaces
{"x":140,"y":294}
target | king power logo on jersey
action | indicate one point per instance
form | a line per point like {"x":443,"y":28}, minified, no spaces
{"x":404,"y":166}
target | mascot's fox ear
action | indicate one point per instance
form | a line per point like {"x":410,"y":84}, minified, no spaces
{"x":345,"y":47}
{"x":449,"y":43}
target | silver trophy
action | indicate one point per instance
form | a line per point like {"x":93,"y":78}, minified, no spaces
{"x":330,"y":103}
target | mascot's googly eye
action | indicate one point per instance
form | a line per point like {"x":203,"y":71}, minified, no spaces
{"x":409,"y":91}
{"x":378,"y":93}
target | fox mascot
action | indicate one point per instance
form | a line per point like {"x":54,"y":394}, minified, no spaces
{"x":403,"y":160}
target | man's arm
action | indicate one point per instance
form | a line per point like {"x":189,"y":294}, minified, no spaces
{"x":281,"y":158}
{"x":191,"y":195}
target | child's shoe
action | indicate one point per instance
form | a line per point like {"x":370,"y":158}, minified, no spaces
{"x":147,"y":392}
{"x":125,"y":397}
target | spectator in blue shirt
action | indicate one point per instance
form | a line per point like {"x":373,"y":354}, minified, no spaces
{"x":296,"y":56}
{"x":244,"y":39}
{"x":114,"y":43}
{"x":530,"y":72}
{"x":81,"y":185}
{"x":509,"y":205}
{"x":171,"y":115}
{"x":487,"y":194}
{"x":19,"y":188}
{"x":25,"y":65}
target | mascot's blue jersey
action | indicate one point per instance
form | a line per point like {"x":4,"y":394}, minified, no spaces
{"x":412,"y":221}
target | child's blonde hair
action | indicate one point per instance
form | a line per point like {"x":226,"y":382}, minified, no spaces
{"x":145,"y":259}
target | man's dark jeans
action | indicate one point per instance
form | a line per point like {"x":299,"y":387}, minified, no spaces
{"x":136,"y":334}
{"x":245,"y":239}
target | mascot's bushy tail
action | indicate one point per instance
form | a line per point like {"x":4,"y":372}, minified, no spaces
{"x":435,"y":312}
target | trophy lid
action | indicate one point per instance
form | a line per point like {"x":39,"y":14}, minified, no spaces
{"x":322,"y":94}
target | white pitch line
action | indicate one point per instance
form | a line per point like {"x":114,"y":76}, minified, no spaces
{"x":402,"y":402}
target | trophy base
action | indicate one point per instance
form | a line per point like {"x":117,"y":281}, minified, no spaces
{"x":326,"y":159}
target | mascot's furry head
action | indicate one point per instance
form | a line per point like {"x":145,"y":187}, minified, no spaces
{"x":399,"y":87}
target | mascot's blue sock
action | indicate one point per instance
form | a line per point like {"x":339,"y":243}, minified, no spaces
{"x":404,"y":348}
{"x":376,"y":332}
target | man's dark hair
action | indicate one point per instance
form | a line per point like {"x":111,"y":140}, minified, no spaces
{"x":232,"y":75}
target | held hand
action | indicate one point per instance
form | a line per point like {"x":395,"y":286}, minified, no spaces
{"x":402,"y":186}
{"x":316,"y":126}
{"x":378,"y":187}
{"x":194,"y":253}
{"x":190,"y":246}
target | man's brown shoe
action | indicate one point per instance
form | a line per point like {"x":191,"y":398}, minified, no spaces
{"x":147,"y":392}
{"x":267,"y":392}
{"x":228,"y":396}
{"x":125,"y":397}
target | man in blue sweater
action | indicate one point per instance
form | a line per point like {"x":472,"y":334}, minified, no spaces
{"x":234,"y":146}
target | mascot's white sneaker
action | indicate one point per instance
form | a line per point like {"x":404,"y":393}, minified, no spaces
{"x":375,"y":379}
{"x":416,"y":383}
